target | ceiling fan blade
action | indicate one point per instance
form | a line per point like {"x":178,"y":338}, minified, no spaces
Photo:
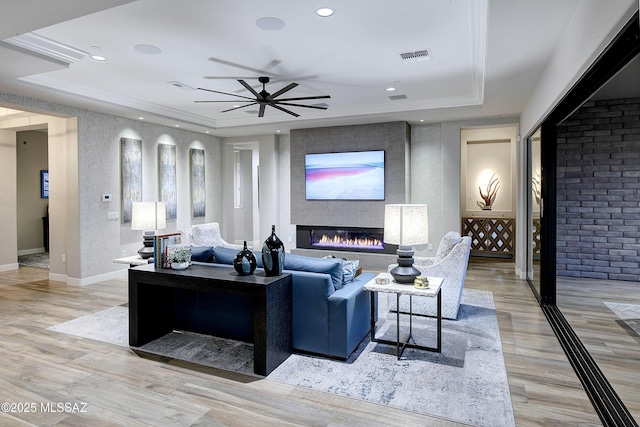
{"x":281,"y":91}
{"x":227,"y":78}
{"x":261,"y":112}
{"x":249,"y":88}
{"x":284,"y":109}
{"x":305,"y":97}
{"x":234,"y":101}
{"x":242,"y":67}
{"x":300,"y":105}
{"x":225,"y":93}
{"x":242,"y":106}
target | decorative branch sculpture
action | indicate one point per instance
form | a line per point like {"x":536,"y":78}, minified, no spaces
{"x":491,"y":191}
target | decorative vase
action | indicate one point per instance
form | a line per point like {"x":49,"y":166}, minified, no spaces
{"x":179,"y":265}
{"x":273,"y":254}
{"x":245,"y":261}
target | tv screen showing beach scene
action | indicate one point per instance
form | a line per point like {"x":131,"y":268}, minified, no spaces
{"x":345,"y":176}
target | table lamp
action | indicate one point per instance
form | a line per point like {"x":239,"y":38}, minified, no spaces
{"x":148,"y":217}
{"x":406,"y":225}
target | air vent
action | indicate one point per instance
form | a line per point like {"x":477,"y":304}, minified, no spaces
{"x":396,"y":97}
{"x":418,"y":55}
{"x":180,"y":85}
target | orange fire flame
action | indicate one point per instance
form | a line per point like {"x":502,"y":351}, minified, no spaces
{"x":339,"y":241}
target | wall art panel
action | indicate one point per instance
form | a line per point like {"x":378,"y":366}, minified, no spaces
{"x":198,"y":199}
{"x":167,"y":179}
{"x":131,"y":166}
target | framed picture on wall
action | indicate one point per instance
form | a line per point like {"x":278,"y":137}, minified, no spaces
{"x":44,"y":184}
{"x":167,"y":179}
{"x":198,"y":199}
{"x":131,"y":164}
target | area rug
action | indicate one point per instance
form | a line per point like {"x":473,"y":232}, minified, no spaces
{"x":466,"y":382}
{"x":629,"y":314}
{"x":40,"y":260}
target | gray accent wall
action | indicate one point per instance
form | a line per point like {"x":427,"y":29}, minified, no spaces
{"x":393,"y":138}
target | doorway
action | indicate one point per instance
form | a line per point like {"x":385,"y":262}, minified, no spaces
{"x":32,"y":201}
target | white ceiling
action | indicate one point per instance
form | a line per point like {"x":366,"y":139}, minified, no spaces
{"x":486,"y":58}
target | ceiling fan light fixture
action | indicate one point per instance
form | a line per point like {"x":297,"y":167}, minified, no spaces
{"x":324,"y":12}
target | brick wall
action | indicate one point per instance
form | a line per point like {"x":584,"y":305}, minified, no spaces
{"x":598,"y":178}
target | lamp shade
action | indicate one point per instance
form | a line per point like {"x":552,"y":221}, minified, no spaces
{"x":148,"y":216}
{"x":406,"y":224}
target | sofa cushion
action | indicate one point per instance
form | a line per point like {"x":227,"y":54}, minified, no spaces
{"x":293,"y":262}
{"x":224,"y":255}
{"x":202,"y":254}
{"x":333,"y":267}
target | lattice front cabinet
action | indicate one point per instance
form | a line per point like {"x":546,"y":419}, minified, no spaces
{"x":490,"y":236}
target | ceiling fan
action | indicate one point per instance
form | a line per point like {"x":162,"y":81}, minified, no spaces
{"x":264,"y":98}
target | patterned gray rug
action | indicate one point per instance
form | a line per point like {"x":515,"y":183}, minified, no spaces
{"x":629,"y":314}
{"x":467,"y":382}
{"x":40,"y":260}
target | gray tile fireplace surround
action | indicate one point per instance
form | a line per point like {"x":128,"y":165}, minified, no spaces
{"x":368,"y":261}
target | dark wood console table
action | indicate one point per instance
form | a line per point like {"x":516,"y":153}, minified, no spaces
{"x":153,"y":308}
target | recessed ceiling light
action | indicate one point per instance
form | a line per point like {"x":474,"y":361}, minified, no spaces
{"x":422,"y":120}
{"x":147,"y":49}
{"x":98,"y":58}
{"x":206,"y":131}
{"x":324,"y":12}
{"x":140,"y":118}
{"x":390,"y":89}
{"x":270,"y":23}
{"x":177,"y":126}
{"x":277,"y":130}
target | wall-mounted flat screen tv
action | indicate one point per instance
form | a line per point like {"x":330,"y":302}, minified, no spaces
{"x":345,"y":176}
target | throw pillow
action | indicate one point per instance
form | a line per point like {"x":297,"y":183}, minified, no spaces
{"x":350,"y":270}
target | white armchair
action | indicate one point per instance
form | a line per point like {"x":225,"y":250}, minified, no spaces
{"x":208,"y":235}
{"x":450,"y":263}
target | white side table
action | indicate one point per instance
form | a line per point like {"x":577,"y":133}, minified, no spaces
{"x":133,"y":260}
{"x":433,"y":291}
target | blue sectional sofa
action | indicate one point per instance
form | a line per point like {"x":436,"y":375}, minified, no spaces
{"x":331,"y":315}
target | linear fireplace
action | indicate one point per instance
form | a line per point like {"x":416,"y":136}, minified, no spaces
{"x":352,"y":239}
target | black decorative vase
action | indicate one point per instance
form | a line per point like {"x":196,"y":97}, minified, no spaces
{"x":273,"y":254}
{"x":244,"y":261}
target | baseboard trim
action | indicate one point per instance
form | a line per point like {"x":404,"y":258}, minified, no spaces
{"x":118,"y":274}
{"x":9,"y":267}
{"x":58,"y":277}
{"x":605,"y":400}
{"x":31,"y":251}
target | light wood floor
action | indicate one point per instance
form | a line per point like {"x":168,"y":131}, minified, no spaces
{"x":613,"y":345}
{"x":39,"y":366}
